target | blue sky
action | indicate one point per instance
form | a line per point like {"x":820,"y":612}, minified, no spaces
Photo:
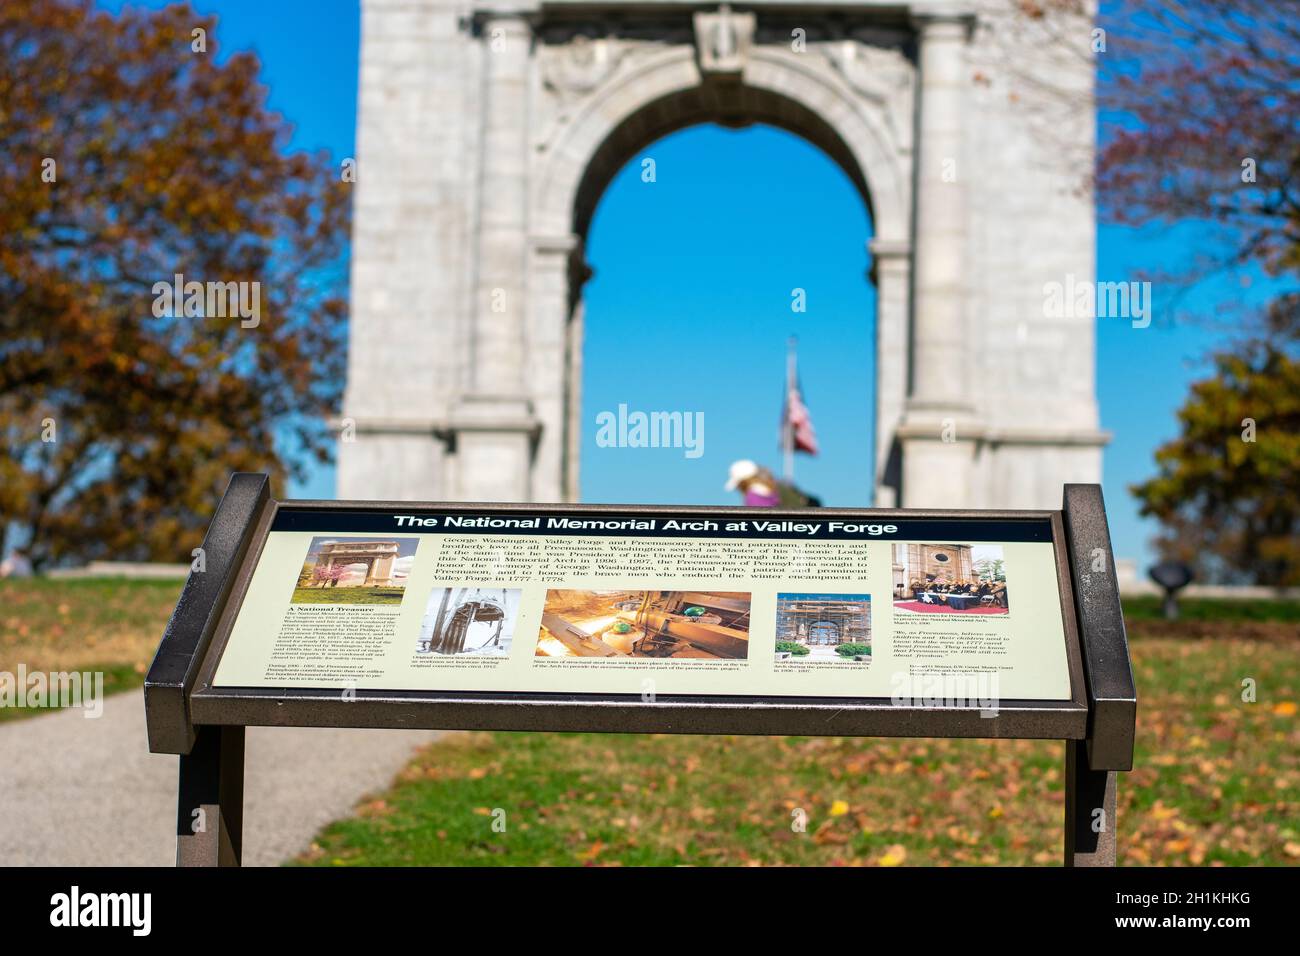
{"x":711,"y":302}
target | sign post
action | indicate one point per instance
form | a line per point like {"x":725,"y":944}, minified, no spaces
{"x":534,"y":617}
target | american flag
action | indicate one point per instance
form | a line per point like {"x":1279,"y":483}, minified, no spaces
{"x":796,"y":421}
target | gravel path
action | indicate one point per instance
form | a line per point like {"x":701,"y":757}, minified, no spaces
{"x":85,"y":792}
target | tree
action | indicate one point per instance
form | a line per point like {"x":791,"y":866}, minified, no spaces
{"x":1207,"y":96}
{"x":132,"y":157}
{"x":329,"y":577}
{"x":991,"y":569}
{"x":1228,"y":488}
{"x":1205,"y":101}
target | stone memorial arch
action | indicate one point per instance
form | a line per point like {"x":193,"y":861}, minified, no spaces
{"x":377,"y":556}
{"x":488,"y":132}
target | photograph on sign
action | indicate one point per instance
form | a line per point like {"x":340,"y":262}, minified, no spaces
{"x":701,"y":625}
{"x":469,"y":622}
{"x":355,"y":571}
{"x":950,"y":578}
{"x":824,"y":627}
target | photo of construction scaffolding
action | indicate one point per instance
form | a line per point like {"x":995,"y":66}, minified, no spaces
{"x":703,"y":625}
{"x":469,"y":622}
{"x":828,"y":627}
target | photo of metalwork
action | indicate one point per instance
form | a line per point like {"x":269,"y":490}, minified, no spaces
{"x":477,"y":622}
{"x":704,"y":625}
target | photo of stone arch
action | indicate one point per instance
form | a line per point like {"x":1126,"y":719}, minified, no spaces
{"x":341,"y":570}
{"x":950,"y":578}
{"x":469,"y":622}
{"x":827,"y":627}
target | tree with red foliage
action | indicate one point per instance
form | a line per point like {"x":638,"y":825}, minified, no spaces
{"x":1204,"y":101}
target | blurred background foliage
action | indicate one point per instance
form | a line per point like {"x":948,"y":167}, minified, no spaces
{"x":133,"y":156}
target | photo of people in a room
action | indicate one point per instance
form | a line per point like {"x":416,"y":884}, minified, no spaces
{"x":702,"y":625}
{"x":469,"y":622}
{"x":950,"y":578}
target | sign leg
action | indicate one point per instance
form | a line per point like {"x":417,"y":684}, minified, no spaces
{"x":210,"y":808}
{"x":1089,"y":810}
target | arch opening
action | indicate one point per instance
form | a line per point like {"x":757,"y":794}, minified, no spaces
{"x":695,"y":278}
{"x":824,"y":633}
{"x":731,"y":105}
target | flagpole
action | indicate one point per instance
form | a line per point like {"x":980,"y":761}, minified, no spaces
{"x":788,"y":467}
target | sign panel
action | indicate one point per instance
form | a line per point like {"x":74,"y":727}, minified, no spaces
{"x":653,"y":603}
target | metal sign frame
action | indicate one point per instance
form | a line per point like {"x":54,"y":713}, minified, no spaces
{"x":187,"y":715}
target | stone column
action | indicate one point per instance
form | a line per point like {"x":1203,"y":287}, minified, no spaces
{"x":493,"y":424}
{"x":939,"y":431}
{"x":573,"y":433}
{"x":493,"y":446}
{"x":891,"y":272}
{"x":547,"y":365}
{"x":381,"y":571}
{"x":498,"y":347}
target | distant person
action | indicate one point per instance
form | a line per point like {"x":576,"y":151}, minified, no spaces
{"x":762,"y":490}
{"x":756,"y":485}
{"x":17,"y":565}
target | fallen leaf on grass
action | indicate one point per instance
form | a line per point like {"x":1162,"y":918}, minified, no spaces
{"x":894,"y":856}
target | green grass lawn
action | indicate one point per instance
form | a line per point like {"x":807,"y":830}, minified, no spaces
{"x":1209,"y":609}
{"x":1217,"y":779}
{"x":112,"y":625}
{"x":312,"y":595}
{"x":1216,"y":783}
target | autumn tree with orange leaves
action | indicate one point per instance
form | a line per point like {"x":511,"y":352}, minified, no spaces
{"x":131,"y":157}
